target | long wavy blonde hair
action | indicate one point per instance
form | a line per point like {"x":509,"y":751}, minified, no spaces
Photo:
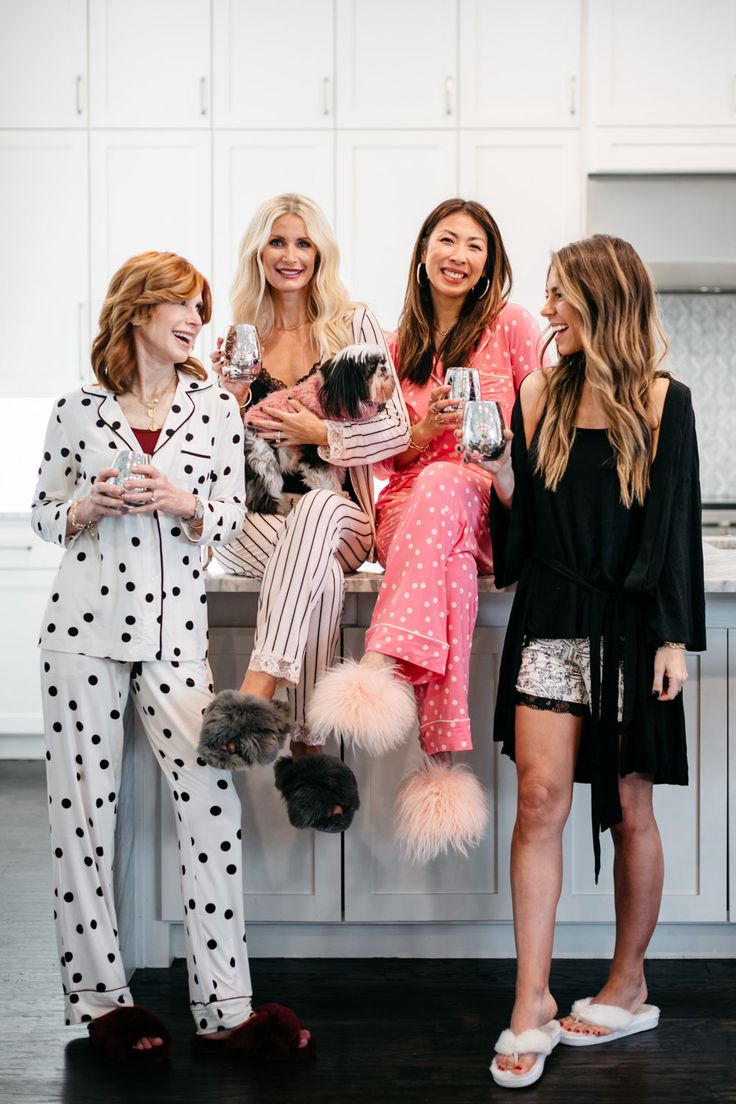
{"x":623,"y":344}
{"x":328,"y":304}
{"x":136,"y":288}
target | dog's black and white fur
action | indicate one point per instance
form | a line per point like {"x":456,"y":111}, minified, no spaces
{"x":349,"y":387}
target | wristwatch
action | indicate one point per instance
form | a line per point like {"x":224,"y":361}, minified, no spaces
{"x":198,"y":512}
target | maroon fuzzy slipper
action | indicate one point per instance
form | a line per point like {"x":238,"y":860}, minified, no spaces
{"x":116,"y":1033}
{"x":272,"y":1032}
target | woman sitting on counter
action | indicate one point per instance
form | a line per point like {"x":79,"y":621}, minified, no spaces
{"x":127,"y":620}
{"x":596,"y":517}
{"x":433,"y":530}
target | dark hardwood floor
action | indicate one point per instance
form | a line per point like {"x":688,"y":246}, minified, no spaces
{"x":419,"y":1032}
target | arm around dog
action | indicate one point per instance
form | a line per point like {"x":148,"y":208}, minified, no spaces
{"x":351,"y":444}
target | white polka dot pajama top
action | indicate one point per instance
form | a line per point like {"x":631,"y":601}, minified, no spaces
{"x":433,"y":538}
{"x":127,"y":619}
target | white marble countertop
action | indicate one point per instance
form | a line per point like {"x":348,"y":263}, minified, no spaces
{"x":719,"y":555}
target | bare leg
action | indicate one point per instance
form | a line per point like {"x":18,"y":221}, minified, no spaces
{"x":258,"y":683}
{"x":546,"y":750}
{"x":638,"y":874}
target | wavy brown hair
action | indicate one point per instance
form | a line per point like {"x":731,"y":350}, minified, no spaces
{"x":137,"y":287}
{"x":328,"y":303}
{"x":623,"y":344}
{"x":416,"y":347}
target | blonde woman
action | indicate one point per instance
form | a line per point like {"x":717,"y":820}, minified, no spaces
{"x":288,"y":285}
{"x":597,"y":518}
{"x":127,"y":620}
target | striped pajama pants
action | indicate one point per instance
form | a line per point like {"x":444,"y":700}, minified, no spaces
{"x":84,"y":700}
{"x":302,"y":560}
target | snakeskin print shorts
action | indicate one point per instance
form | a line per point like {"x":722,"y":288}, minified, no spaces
{"x":554,"y":675}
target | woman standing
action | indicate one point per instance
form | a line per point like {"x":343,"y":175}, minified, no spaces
{"x":433,"y":529}
{"x":597,"y":516}
{"x":127,"y":619}
{"x":288,"y":285}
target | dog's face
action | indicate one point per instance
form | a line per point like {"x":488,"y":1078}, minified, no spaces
{"x":353,"y":380}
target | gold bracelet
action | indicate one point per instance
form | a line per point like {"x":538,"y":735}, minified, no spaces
{"x":73,"y":517}
{"x":414,"y":445}
{"x":244,"y":405}
{"x":673,"y":644}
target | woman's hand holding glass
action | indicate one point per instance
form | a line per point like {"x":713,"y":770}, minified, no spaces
{"x":105,"y":499}
{"x":239,"y":388}
{"x":444,"y":413}
{"x":148,"y":490}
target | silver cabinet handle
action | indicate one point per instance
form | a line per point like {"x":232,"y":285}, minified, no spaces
{"x":78,"y":93}
{"x":325,"y":95}
{"x":203,"y":95}
{"x":448,"y":95}
{"x":82,"y":367}
{"x":573,"y":107}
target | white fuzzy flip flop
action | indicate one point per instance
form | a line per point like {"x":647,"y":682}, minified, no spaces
{"x":537,"y":1040}
{"x":619,"y":1021}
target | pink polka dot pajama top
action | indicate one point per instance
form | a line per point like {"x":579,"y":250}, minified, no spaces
{"x":433,"y":540}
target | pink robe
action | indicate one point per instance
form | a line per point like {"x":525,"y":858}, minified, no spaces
{"x":433,"y":539}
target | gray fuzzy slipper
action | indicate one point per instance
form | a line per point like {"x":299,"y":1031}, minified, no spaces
{"x":312,"y":787}
{"x":256,"y":728}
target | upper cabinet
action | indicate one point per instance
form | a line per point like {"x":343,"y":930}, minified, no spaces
{"x":662,"y":64}
{"x":520,"y":64}
{"x":150,"y":63}
{"x":397,"y":63}
{"x":273,"y":65}
{"x":43,"y":63}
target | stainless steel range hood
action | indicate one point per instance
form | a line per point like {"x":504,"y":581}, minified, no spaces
{"x":682,"y":224}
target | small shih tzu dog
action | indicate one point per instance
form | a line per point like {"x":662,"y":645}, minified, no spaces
{"x":350,"y":387}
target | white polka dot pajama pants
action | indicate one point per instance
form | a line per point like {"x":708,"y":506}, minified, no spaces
{"x":302,"y":560}
{"x":434,"y":539}
{"x":84,"y":702}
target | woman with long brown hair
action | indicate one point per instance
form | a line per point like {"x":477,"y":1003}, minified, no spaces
{"x":433,"y":529}
{"x":596,"y":516}
{"x":127,"y":621}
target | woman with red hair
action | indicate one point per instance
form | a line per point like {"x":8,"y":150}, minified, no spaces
{"x":127,"y":620}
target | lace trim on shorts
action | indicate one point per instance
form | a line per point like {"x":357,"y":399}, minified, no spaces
{"x":551,"y":705}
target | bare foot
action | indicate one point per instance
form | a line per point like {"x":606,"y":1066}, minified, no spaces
{"x":148,"y":1043}
{"x":623,"y":994}
{"x":527,"y":1015}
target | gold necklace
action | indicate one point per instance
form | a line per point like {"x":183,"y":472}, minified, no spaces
{"x":151,"y":404}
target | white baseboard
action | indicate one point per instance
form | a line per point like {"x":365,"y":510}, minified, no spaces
{"x":25,"y":746}
{"x":463,"y":941}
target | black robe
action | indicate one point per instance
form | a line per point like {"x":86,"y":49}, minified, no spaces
{"x":658,"y":597}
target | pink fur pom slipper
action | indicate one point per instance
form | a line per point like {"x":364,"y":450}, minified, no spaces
{"x":367,"y":706}
{"x":440,"y":806}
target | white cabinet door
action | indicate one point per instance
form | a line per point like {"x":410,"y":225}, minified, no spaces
{"x":288,"y":874}
{"x":380,"y":885}
{"x":520,"y":63}
{"x":27,"y":569}
{"x":387,"y":183}
{"x":396,"y":63}
{"x":150,"y":190}
{"x":149,"y":63}
{"x":44,"y":274}
{"x":43,"y":63}
{"x":498,"y":168}
{"x":273,"y":64}
{"x":693,"y":820}
{"x":250,"y":167}
{"x":662,"y":63}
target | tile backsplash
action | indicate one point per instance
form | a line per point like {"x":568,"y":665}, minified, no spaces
{"x":702,"y":333}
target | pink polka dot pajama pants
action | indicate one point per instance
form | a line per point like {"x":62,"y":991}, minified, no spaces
{"x":433,"y":538}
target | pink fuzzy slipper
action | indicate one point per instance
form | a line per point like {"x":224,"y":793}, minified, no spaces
{"x":439,"y":806}
{"x":367,"y":706}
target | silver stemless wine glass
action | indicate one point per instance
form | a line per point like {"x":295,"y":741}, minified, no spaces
{"x":482,"y":431}
{"x":464,"y":384}
{"x":241,"y":353}
{"x":124,"y":461}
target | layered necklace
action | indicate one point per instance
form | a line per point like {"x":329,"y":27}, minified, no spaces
{"x":151,"y":405}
